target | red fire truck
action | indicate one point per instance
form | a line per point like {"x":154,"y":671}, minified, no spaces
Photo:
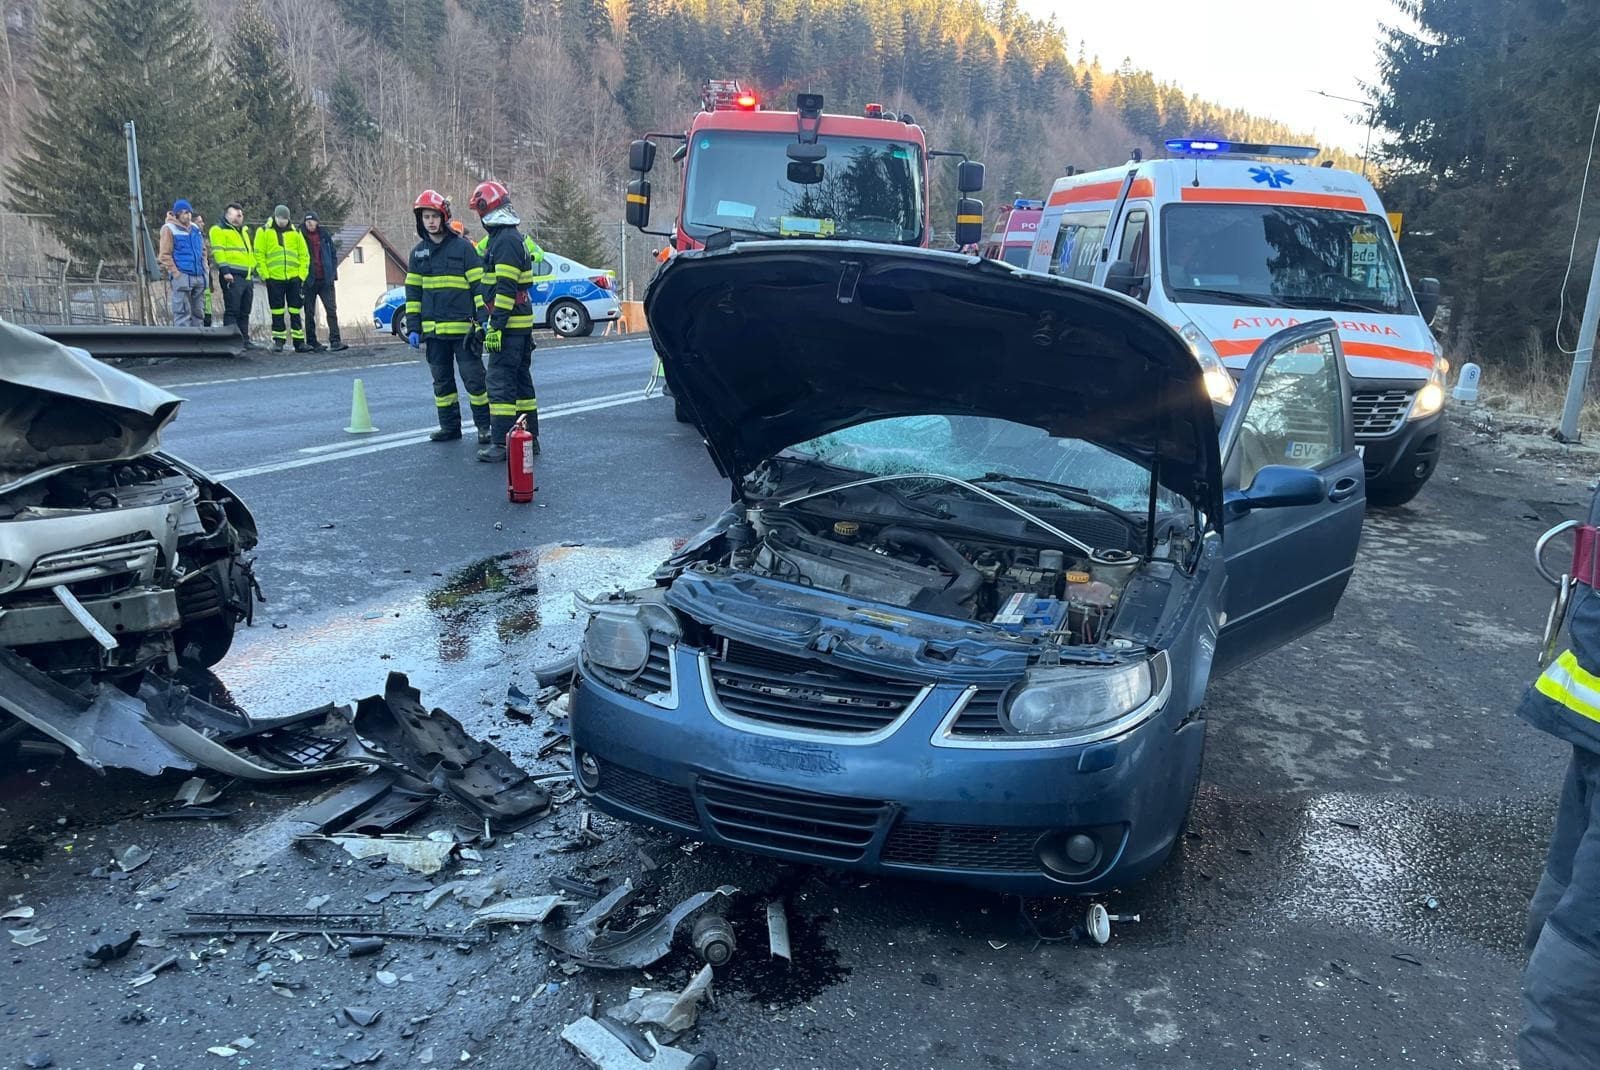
{"x":750,"y":173}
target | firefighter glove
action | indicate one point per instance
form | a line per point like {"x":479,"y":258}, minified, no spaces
{"x":414,"y":340}
{"x":492,"y":340}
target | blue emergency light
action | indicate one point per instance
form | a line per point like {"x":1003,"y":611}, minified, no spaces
{"x":1023,"y":202}
{"x":1184,"y":146}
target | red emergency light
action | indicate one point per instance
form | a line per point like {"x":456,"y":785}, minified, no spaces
{"x":746,"y":102}
{"x":874,"y":111}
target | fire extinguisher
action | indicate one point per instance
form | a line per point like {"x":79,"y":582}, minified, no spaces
{"x":519,"y":462}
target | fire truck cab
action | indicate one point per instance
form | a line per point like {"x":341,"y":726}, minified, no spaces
{"x":750,"y":174}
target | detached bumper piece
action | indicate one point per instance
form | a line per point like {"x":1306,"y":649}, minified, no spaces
{"x":165,"y":726}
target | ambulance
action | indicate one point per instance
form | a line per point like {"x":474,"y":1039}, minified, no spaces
{"x":1016,"y":226}
{"x":1231,"y":241}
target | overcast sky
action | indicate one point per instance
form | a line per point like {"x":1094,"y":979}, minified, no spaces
{"x":1267,"y":57}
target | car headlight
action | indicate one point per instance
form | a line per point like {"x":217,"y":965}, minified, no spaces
{"x":1219,"y":384}
{"x":1084,"y":701}
{"x":1430,"y":399}
{"x":617,"y":638}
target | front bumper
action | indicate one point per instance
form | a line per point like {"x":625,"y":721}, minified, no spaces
{"x":1408,"y":455}
{"x":996,"y":818}
{"x":133,"y":613}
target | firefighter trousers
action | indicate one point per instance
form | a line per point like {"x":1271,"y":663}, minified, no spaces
{"x":1561,"y":985}
{"x":445,"y":356}
{"x":511,"y":392}
{"x":284,"y":295}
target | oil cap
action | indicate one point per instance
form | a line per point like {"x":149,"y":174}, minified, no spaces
{"x":846,"y":528}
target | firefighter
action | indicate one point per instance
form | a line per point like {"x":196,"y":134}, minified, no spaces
{"x":284,"y":262}
{"x":1561,"y":985}
{"x":443,"y":304}
{"x":234,"y":255}
{"x":508,"y":337}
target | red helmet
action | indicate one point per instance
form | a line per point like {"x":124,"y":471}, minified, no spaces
{"x":489,"y":196}
{"x":429,"y":198}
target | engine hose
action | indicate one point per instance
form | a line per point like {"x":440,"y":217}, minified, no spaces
{"x":968,"y":579}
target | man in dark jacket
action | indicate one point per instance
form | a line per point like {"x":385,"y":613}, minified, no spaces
{"x":319,"y":283}
{"x":442,"y":306}
{"x":1561,"y":986}
{"x":508,"y":339}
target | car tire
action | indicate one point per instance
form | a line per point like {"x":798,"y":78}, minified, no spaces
{"x":394,"y":323}
{"x":1394,"y":492}
{"x":569,"y":319}
{"x":208,"y":641}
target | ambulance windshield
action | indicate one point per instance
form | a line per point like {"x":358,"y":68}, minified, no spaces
{"x":864,"y":188}
{"x":1282,"y":257}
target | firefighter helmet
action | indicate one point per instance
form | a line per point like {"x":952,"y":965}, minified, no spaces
{"x":489,"y":196}
{"x":429,"y":198}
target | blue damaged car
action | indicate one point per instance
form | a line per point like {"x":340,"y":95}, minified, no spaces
{"x":989,"y":542}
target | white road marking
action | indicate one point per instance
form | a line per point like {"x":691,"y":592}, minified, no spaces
{"x":338,"y":451}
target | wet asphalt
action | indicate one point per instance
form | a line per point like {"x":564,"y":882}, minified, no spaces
{"x":1350,"y":892}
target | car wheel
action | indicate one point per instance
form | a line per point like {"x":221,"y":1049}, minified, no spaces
{"x":570,"y":319}
{"x":1394,"y":492}
{"x":394,"y":323}
{"x":208,"y":641}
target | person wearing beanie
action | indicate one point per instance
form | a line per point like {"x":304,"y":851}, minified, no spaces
{"x":183,"y":256}
{"x":284,"y":262}
{"x":324,"y":272}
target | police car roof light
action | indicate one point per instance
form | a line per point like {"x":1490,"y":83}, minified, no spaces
{"x":1183,"y":146}
{"x":1024,"y":202}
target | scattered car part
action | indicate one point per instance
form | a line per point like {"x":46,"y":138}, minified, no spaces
{"x":672,"y":1011}
{"x":586,"y":889}
{"x":150,"y":975}
{"x":355,"y":947}
{"x":27,"y":937}
{"x":110,"y":950}
{"x":602,"y":1044}
{"x":359,"y":1051}
{"x":519,"y":706}
{"x":132,"y":857}
{"x":712,"y":937}
{"x":197,"y":791}
{"x":473,"y":893}
{"x":17,"y":914}
{"x":436,"y":748}
{"x":519,"y":911}
{"x":363,"y":1016}
{"x":778,"y":932}
{"x":1097,"y":923}
{"x":557,"y":674}
{"x":588,"y":942}
{"x":422,"y":856}
{"x":399,"y":888}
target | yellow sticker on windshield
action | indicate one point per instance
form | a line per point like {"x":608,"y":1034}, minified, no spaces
{"x":794,"y":226}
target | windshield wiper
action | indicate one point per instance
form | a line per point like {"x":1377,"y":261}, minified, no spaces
{"x":1230,"y":297}
{"x":1348,"y":305}
{"x":1063,"y":492}
{"x":722,"y":237}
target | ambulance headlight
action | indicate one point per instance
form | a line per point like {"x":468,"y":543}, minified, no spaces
{"x":1219,"y":384}
{"x":1430,"y":399}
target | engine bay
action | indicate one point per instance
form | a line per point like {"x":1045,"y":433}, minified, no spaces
{"x":1030,"y":592}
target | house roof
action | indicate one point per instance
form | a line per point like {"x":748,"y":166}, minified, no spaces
{"x":349,"y":236}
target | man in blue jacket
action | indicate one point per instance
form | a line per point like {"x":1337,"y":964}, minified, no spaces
{"x":319,"y":283}
{"x":1561,"y":986}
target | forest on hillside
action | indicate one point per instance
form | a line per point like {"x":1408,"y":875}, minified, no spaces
{"x":372,"y":100}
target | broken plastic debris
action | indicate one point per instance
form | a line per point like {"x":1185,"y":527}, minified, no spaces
{"x":27,"y":937}
{"x":132,"y":857}
{"x":778,"y":932}
{"x":197,"y":792}
{"x":473,"y":893}
{"x":672,"y":1011}
{"x":17,"y":914}
{"x":150,"y":974}
{"x":518,"y":705}
{"x":588,"y":942}
{"x":602,"y":1045}
{"x":107,"y":950}
{"x":363,"y":1016}
{"x":386,"y":979}
{"x":359,"y":1051}
{"x":519,"y":911}
{"x":422,"y":856}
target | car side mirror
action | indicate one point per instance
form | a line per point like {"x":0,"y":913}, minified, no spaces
{"x":1121,"y":277}
{"x":969,"y":176}
{"x":1277,"y":486}
{"x":638,"y":207}
{"x":1427,"y":294}
{"x":969,"y":222}
{"x":642,"y":156}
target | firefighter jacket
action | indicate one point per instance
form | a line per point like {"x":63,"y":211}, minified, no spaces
{"x":507,"y":276}
{"x":231,"y":249}
{"x":281,"y":254}
{"x":443,"y":299}
{"x":1565,"y":699}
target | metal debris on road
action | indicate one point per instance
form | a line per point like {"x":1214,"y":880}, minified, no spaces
{"x":672,"y":1011}
{"x":712,"y":938}
{"x":27,"y":937}
{"x":1097,"y":923}
{"x":110,"y":950}
{"x":778,"y":932}
{"x":519,"y":911}
{"x":604,"y":1046}
{"x":588,"y":940}
{"x":150,"y":975}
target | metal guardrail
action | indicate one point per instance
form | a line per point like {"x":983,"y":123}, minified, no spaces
{"x":115,"y":340}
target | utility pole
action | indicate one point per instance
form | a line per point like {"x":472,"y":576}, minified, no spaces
{"x":1584,"y":356}
{"x":1372,"y":115}
{"x":136,"y":221}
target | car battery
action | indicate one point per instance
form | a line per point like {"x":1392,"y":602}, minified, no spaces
{"x":1028,"y":614}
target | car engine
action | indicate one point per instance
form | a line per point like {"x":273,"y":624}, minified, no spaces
{"x":1023,"y":590}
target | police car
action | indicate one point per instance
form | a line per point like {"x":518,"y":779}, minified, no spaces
{"x":569,"y":300}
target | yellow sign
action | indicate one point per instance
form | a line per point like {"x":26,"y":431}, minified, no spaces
{"x":1394,"y":224}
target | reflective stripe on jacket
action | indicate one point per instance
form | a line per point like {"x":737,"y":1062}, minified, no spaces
{"x":281,"y":255}
{"x":507,"y":275}
{"x":442,"y":287}
{"x":231,"y":248}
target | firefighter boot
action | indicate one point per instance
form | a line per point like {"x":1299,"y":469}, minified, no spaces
{"x":494,"y":452}
{"x":480,"y":417}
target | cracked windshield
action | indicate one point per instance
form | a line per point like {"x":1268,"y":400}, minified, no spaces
{"x":866,"y":189}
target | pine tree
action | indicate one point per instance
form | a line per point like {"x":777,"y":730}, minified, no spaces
{"x":274,"y":127}
{"x":112,"y":61}
{"x":567,"y":221}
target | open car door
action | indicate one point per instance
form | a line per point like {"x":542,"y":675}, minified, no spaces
{"x":1294,"y":493}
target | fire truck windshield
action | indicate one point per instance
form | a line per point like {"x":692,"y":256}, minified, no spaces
{"x":866,"y":188}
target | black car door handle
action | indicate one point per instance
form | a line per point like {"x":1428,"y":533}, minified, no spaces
{"x":1344,"y":489}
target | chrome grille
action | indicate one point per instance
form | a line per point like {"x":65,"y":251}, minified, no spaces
{"x":1382,"y":413}
{"x":92,"y":563}
{"x":794,"y":692}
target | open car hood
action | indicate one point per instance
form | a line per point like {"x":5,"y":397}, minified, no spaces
{"x":769,"y":344}
{"x":59,"y":407}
